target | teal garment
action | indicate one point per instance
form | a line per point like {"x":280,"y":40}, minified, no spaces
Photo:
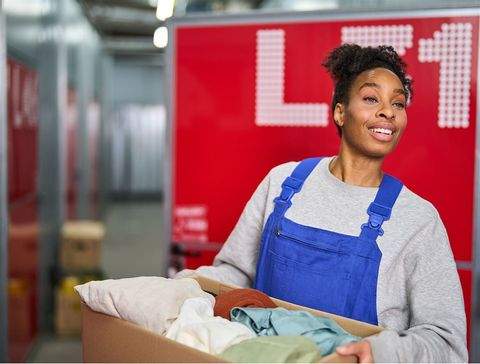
{"x":273,"y":349}
{"x":326,"y":333}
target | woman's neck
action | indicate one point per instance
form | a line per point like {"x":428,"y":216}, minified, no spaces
{"x":357,"y":170}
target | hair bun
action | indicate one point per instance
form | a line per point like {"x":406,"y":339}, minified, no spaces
{"x":339,"y":62}
{"x":349,"y":60}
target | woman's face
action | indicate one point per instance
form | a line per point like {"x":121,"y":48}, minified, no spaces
{"x":375,"y":118}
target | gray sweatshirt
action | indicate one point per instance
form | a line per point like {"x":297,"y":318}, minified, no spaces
{"x":419,"y":297}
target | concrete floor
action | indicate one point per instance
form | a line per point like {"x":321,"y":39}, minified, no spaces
{"x":133,"y":247}
{"x":51,"y":349}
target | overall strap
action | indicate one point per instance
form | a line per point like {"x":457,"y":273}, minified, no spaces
{"x":381,"y":208}
{"x":293,"y":184}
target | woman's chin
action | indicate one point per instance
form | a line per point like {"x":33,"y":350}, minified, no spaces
{"x":379,"y":152}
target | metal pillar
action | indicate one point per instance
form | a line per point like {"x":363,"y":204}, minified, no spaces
{"x":168,"y":167}
{"x":106,"y":67}
{"x":52,"y":152}
{"x":3,"y":197}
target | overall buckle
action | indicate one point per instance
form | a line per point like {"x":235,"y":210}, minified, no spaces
{"x":290,"y":186}
{"x":377,"y":215}
{"x":374,"y":222}
{"x":286,"y":194}
{"x":293,"y":183}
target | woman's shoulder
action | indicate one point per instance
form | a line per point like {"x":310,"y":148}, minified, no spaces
{"x":416,"y":205}
{"x":283,"y":170}
{"x":277,"y":175}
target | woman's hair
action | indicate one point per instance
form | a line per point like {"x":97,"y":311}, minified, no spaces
{"x":346,"y":62}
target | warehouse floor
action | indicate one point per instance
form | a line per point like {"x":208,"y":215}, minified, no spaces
{"x":132,"y":247}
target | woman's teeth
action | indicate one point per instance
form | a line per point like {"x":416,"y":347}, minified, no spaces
{"x":382,"y":131}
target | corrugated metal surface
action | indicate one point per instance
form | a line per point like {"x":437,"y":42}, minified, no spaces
{"x":138,"y":134}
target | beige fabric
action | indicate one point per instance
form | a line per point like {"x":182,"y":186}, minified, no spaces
{"x":151,"y":302}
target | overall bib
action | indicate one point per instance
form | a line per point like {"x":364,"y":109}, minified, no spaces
{"x":322,"y":269}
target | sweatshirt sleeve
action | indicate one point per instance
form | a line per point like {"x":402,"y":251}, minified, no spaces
{"x":437,"y":329}
{"x":236,"y":262}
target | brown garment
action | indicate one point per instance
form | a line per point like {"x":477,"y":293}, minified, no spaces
{"x":243,"y":297}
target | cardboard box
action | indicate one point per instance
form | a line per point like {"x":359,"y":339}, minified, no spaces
{"x":107,"y":339}
{"x":81,"y":244}
{"x":68,"y":314}
{"x":20,"y":325}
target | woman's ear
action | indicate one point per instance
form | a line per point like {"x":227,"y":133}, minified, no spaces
{"x":339,"y":114}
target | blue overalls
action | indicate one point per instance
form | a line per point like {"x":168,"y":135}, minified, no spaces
{"x":323,"y":269}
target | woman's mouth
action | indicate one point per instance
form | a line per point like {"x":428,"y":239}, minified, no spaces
{"x":381,"y":134}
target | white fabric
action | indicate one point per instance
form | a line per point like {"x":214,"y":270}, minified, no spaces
{"x":151,"y":302}
{"x":198,"y":328}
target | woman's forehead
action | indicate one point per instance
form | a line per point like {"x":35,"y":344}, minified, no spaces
{"x":382,"y":77}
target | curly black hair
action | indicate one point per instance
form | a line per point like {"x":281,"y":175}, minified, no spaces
{"x":346,"y":62}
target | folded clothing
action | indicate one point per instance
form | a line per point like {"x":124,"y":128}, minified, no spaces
{"x":198,"y":328}
{"x":243,"y":297}
{"x":151,"y":302}
{"x":326,"y":333}
{"x":273,"y":349}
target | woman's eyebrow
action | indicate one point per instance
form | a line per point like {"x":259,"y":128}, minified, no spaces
{"x":370,"y":84}
{"x":377,"y":86}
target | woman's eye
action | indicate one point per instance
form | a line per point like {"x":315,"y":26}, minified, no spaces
{"x":399,"y":105}
{"x":370,"y":99}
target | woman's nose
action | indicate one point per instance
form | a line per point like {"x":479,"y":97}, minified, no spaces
{"x":386,"y":111}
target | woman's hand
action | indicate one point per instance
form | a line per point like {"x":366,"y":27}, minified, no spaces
{"x":361,"y":349}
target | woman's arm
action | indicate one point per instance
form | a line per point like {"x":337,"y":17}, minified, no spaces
{"x":437,"y":329}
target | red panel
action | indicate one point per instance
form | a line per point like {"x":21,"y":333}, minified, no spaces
{"x":23,"y":208}
{"x":198,"y":258}
{"x":221,"y":155}
{"x":23,"y":278}
{"x":10,"y":87}
{"x":23,"y":130}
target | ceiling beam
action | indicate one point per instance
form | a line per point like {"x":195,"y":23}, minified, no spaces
{"x":130,"y":45}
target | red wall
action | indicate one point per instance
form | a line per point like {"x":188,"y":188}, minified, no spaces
{"x":226,"y":138}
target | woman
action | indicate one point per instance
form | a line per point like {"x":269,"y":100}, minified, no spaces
{"x":339,"y":235}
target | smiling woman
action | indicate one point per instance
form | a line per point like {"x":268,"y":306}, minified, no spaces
{"x":371,"y":92}
{"x":339,"y":235}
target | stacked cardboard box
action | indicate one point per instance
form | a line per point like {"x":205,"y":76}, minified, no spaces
{"x":81,"y":246}
{"x":68,"y":315}
{"x":20,"y":325}
{"x":80,"y":262}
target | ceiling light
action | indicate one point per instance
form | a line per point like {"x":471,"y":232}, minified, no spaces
{"x":165,"y":9}
{"x":160,"y":37}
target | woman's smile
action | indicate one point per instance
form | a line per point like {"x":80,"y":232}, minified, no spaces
{"x":381,"y":131}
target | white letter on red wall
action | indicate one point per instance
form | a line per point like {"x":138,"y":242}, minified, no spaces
{"x":452,"y":47}
{"x":270,"y":106}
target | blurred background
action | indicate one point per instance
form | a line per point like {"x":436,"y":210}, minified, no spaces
{"x":91,"y":185}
